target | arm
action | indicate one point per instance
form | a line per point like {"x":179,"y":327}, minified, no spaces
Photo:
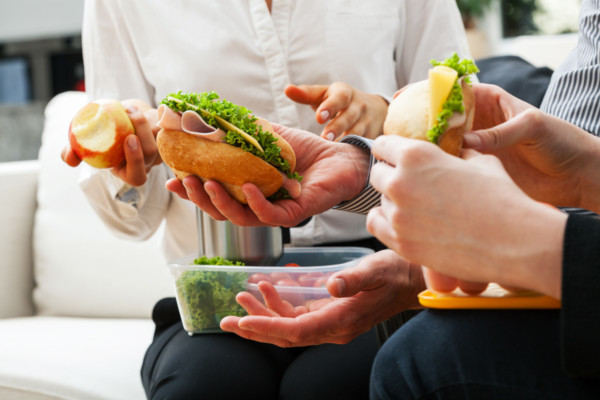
{"x":130,"y":200}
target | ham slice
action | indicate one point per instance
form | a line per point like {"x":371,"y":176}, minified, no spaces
{"x":189,"y":122}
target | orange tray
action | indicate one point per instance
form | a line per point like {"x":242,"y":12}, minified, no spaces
{"x":494,"y":297}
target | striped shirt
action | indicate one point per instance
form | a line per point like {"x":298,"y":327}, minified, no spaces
{"x":574,"y":91}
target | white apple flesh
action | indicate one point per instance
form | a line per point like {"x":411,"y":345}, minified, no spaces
{"x":98,"y":131}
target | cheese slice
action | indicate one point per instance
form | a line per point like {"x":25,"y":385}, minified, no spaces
{"x":441,"y":80}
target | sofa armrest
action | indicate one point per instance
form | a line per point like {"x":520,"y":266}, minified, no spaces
{"x":18,"y":188}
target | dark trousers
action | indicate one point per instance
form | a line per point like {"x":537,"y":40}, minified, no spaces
{"x":471,"y":354}
{"x":225,"y":366}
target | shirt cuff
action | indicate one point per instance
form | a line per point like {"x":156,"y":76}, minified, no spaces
{"x":116,"y":188}
{"x":368,"y":198}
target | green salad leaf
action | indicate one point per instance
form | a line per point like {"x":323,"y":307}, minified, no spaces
{"x":208,"y":296}
{"x":454,"y":103}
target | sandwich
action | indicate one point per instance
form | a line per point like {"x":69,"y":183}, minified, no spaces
{"x":439,"y":109}
{"x":214,"y":139}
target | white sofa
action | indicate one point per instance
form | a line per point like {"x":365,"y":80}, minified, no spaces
{"x":75,"y":301}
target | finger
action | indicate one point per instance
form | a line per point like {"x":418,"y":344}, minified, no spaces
{"x":472,"y":288}
{"x":509,"y":133}
{"x":337,"y":99}
{"x":227,"y":206}
{"x":252,"y":305}
{"x":311,"y":95}
{"x":343,"y":122}
{"x":285,"y":332}
{"x":439,"y":282}
{"x":145,"y":135}
{"x":134,"y":170}
{"x":196,"y":193}
{"x":381,"y":176}
{"x":274,"y":301}
{"x":176,"y":186}
{"x":378,"y":226}
{"x":69,"y":157}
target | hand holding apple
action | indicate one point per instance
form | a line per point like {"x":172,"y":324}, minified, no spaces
{"x":107,"y":121}
{"x":98,"y":131}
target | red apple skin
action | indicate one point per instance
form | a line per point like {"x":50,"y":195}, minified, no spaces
{"x":98,"y":131}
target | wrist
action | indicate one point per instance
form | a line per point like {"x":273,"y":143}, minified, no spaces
{"x":538,"y":264}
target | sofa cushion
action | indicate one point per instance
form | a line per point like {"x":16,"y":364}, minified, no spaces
{"x":18,"y":182}
{"x":81,"y":268}
{"x":46,"y":358}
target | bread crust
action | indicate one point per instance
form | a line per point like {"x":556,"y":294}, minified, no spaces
{"x":188,"y":154}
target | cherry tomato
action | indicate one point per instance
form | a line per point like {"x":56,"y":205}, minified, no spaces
{"x":276,"y":276}
{"x":286,"y":282}
{"x":291,"y":265}
{"x":285,"y":288}
{"x":257,"y":277}
{"x":321,"y":282}
{"x":309,"y":278}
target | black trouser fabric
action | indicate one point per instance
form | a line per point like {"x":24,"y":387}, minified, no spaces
{"x":225,"y":366}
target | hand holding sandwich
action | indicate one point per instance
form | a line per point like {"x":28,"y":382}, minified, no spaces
{"x":491,"y":201}
{"x":332,"y":172}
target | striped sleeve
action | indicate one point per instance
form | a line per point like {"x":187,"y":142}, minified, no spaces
{"x":574,"y":91}
{"x":369,"y":197}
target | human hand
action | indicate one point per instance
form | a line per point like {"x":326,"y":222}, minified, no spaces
{"x":546,"y":156}
{"x":346,"y":110}
{"x":380,"y":286}
{"x":332,"y":172}
{"x":141,"y":153}
{"x":443,"y":212}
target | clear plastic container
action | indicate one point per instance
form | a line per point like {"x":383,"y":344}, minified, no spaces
{"x":206,"y":293}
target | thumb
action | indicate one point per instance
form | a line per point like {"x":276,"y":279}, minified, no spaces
{"x":306,"y":94}
{"x":507,"y":134}
{"x":349,"y":282}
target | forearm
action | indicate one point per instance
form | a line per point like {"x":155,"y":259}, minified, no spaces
{"x":132,"y":213}
{"x":535,"y":251}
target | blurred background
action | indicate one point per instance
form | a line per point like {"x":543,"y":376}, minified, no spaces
{"x":40,"y":52}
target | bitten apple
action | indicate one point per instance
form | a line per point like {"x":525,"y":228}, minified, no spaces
{"x":97,"y":133}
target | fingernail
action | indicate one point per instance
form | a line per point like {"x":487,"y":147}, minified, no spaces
{"x":324,"y":115}
{"x":132,"y":142}
{"x":472,"y":140}
{"x":330,"y":136}
{"x":341,"y":286}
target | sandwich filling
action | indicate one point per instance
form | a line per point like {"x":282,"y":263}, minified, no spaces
{"x":453,"y":103}
{"x":238,"y":123}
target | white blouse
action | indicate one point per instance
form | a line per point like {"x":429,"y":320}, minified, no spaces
{"x":147,"y":49}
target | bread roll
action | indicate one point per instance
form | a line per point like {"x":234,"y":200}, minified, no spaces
{"x":408,"y":116}
{"x":189,"y":154}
